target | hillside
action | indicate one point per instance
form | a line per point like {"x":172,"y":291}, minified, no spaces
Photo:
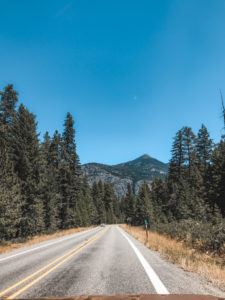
{"x":133,"y":172}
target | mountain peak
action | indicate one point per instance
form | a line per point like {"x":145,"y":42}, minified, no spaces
{"x":145,"y":156}
{"x":134,"y":172}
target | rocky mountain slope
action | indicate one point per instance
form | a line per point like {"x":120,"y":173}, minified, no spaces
{"x":133,"y":172}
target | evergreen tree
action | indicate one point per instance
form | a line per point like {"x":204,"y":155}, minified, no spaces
{"x":217,"y":173}
{"x":92,"y":214}
{"x":69,"y":146}
{"x":26,"y":156}
{"x":159,"y":200}
{"x":129,"y":203}
{"x":204,"y":149}
{"x":189,"y":150}
{"x":101,"y":190}
{"x":49,"y":185}
{"x":97,"y":195}
{"x":54,"y":156}
{"x":69,"y":171}
{"x":109,"y":198}
{"x":144,"y":209}
{"x":116,"y":209}
{"x":177,"y":160}
{"x":197,"y":203}
{"x":8,"y":103}
{"x":10,"y":198}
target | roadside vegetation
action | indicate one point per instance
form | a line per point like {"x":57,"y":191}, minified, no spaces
{"x":12,"y":245}
{"x":211,"y":266}
{"x":43,"y":189}
{"x":189,"y":205}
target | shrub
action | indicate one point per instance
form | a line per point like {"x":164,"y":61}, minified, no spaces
{"x":198,"y":235}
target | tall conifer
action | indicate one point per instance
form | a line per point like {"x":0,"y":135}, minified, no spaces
{"x":10,"y":198}
{"x":70,"y":171}
{"x":26,"y":155}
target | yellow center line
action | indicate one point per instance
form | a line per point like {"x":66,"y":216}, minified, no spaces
{"x":43,"y":268}
{"x":56,"y":266}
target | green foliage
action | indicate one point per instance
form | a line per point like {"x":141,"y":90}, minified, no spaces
{"x":217,"y":174}
{"x":48,"y":187}
{"x":41,"y":185}
{"x":190,"y":204}
{"x":144,"y":208}
{"x":42,"y":188}
{"x":159,"y":200}
{"x":10,"y":197}
{"x":26,"y":156}
{"x":200,"y":235}
{"x":8,"y":105}
{"x":98,"y":195}
{"x":204,"y":147}
{"x":129,"y":204}
{"x":69,"y":179}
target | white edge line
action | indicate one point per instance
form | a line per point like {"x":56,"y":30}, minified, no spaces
{"x":43,"y":246}
{"x":154,"y":278}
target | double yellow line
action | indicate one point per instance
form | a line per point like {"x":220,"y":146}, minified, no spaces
{"x":57,"y":262}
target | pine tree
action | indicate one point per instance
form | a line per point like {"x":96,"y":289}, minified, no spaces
{"x":49,"y":185}
{"x":97,"y":195}
{"x":108,"y":200}
{"x":204,"y":149}
{"x":177,"y":160}
{"x":54,"y":156}
{"x":101,"y":190}
{"x":217,"y":173}
{"x":129,"y":203}
{"x":69,"y":146}
{"x":8,"y":103}
{"x":89,"y":203}
{"x":144,"y":208}
{"x":182,"y":200}
{"x":198,"y":204}
{"x":190,"y":156}
{"x":70,"y":171}
{"x":116,"y":209}
{"x":159,"y":200}
{"x":26,"y":156}
{"x":10,"y":198}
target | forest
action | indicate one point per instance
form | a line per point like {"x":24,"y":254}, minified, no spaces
{"x":43,"y":189}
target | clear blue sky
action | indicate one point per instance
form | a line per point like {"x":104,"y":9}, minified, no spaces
{"x":131,"y":72}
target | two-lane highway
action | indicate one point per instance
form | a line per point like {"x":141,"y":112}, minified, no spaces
{"x":98,"y":261}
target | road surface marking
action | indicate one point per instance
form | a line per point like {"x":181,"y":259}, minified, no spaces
{"x":43,"y":246}
{"x":57,"y":265}
{"x":45,"y":267}
{"x":157,"y":283}
{"x":38,"y":271}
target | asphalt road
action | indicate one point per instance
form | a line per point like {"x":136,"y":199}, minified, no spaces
{"x":98,"y":261}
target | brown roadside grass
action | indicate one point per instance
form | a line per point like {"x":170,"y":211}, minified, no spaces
{"x":212,"y":268}
{"x":8,"y":246}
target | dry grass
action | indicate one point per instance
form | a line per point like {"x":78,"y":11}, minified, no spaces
{"x":7,"y":246}
{"x":212,"y":268}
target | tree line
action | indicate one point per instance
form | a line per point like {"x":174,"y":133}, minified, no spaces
{"x":42,"y":188}
{"x":190,"y":203}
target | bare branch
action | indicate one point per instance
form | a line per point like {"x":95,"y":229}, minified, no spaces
{"x":223,"y":107}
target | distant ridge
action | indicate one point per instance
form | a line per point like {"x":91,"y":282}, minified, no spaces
{"x":134,"y":172}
